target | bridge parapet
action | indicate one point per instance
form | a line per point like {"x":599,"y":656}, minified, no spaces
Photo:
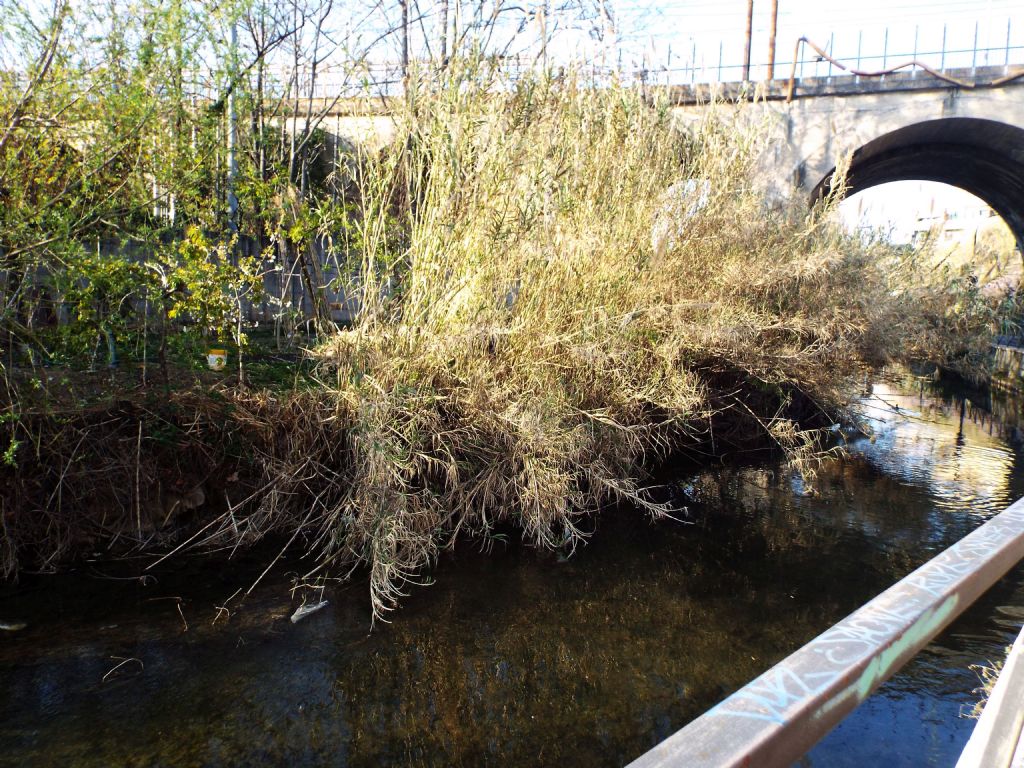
{"x":838,"y":85}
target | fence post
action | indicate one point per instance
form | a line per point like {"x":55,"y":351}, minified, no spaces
{"x":860,"y":37}
{"x":913,"y":70}
{"x":974,"y":53}
{"x":749,"y":35}
{"x":1006,"y":61}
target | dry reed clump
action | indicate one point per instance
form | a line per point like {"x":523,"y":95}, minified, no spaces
{"x":988,"y":676}
{"x":524,"y":348}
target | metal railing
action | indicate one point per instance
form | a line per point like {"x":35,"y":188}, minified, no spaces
{"x":699,"y":70}
{"x":911,"y":65}
{"x":816,"y":66}
{"x":775,"y":719}
{"x":385,"y":78}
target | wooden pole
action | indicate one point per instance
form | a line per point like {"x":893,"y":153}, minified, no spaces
{"x":443,"y":24}
{"x":771,"y":39}
{"x":405,"y":39}
{"x":750,"y":34}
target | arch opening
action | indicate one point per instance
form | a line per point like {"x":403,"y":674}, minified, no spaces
{"x":983,"y":157}
{"x":948,"y":225}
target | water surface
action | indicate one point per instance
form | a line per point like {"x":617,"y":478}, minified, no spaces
{"x":520,"y":657}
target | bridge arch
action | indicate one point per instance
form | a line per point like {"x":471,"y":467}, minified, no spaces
{"x":984,"y":157}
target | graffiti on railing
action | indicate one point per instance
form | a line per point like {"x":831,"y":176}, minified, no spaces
{"x":774,"y":719}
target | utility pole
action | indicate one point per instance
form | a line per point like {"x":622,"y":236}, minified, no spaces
{"x":405,"y":41}
{"x":750,"y":34}
{"x":233,"y":130}
{"x":771,"y":39}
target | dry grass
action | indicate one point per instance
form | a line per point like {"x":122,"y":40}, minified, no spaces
{"x":988,"y":675}
{"x":535,"y":349}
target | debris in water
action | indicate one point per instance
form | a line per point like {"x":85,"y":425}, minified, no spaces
{"x":12,"y":626}
{"x":121,"y":662}
{"x":304,"y":610}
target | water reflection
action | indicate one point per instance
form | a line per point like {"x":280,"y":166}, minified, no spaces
{"x":953,"y":445}
{"x":516,"y":657}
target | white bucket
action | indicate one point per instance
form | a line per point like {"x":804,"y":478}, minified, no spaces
{"x":217,"y":359}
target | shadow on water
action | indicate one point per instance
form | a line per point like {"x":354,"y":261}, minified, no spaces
{"x":517,"y":657}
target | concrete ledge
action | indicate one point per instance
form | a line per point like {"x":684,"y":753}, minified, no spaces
{"x":838,"y":85}
{"x":996,"y":741}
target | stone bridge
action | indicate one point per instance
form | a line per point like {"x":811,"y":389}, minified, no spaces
{"x":903,"y":126}
{"x":898,"y":127}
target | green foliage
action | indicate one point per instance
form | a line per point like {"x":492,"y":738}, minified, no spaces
{"x":9,"y":456}
{"x":101,"y":292}
{"x":207,"y":289}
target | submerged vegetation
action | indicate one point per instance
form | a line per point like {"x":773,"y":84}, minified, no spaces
{"x":555,"y":285}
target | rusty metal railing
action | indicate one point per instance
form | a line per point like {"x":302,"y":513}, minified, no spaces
{"x":911,"y":64}
{"x":775,"y":719}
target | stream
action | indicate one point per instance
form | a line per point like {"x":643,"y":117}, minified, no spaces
{"x":518,"y":657}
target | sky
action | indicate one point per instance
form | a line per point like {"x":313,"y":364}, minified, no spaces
{"x":902,"y":207}
{"x":676,"y":33}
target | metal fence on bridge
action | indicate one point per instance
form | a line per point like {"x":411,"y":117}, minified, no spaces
{"x":940,"y":54}
{"x":686,"y":67}
{"x":692,"y":69}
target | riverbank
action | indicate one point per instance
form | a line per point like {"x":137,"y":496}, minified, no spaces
{"x":214,"y":466}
